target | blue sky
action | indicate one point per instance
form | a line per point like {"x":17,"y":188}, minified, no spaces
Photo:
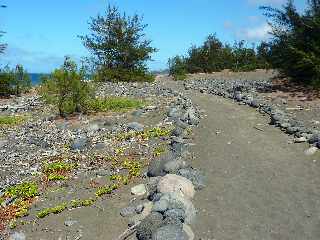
{"x":40,"y":33}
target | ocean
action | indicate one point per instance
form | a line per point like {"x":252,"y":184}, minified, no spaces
{"x":35,"y":78}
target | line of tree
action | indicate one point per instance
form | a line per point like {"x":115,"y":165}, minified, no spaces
{"x":215,"y":56}
{"x":295,"y":45}
{"x":294,"y":48}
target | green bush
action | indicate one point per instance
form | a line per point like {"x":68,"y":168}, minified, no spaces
{"x":14,"y":81}
{"x":11,"y":120}
{"x":67,"y":88}
{"x":178,"y":68}
{"x":113,"y":104}
{"x":214,"y":56}
{"x":294,"y":48}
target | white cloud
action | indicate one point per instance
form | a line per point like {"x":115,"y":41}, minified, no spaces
{"x":255,"y":33}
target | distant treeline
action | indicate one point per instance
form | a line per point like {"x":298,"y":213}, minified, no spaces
{"x":214,"y":56}
{"x":294,"y":48}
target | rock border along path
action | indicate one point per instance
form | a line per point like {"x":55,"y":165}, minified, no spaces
{"x":172,"y":182}
{"x":246,"y":92}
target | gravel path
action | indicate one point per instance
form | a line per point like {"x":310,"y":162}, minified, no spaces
{"x":258,"y":185}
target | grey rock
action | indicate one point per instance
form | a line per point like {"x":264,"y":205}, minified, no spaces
{"x":177,"y":201}
{"x":137,"y":113}
{"x":152,"y":185}
{"x":135,"y":127}
{"x":178,"y":132}
{"x":195,"y":176}
{"x":139,"y":190}
{"x":292,"y":130}
{"x":79,"y":143}
{"x":314,"y":138}
{"x":300,"y":140}
{"x":169,"y":232}
{"x":188,"y":231}
{"x":149,"y":225}
{"x":128,"y":211}
{"x":103,"y":173}
{"x":160,"y":206}
{"x":311,"y":151}
{"x":181,"y":124}
{"x":99,"y":146}
{"x":175,"y":165}
{"x":17,"y":236}
{"x":156,"y":167}
{"x":176,"y":213}
{"x":69,"y":223}
{"x":139,"y":208}
{"x":173,"y":221}
{"x":174,"y":112}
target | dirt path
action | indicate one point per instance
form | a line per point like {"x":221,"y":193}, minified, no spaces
{"x":259,"y":186}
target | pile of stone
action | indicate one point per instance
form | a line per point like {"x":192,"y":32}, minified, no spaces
{"x":133,"y":89}
{"x":167,"y":211}
{"x":21,"y":104}
{"x":247,"y":92}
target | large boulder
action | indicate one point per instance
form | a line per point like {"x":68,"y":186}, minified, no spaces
{"x":172,"y":183}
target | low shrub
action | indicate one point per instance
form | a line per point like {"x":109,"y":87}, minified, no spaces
{"x":11,"y":120}
{"x":67,"y":88}
{"x":113,"y":104}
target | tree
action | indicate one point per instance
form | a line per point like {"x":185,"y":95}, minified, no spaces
{"x":244,"y":58}
{"x":119,"y":46}
{"x":177,"y":67}
{"x":14,"y":81}
{"x":6,"y":79}
{"x":295,"y":47}
{"x":67,"y":89}
{"x":21,"y":81}
{"x":263,"y":55}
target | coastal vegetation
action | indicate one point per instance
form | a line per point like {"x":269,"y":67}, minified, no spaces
{"x":14,"y":81}
{"x":119,"y":47}
{"x":293,"y":48}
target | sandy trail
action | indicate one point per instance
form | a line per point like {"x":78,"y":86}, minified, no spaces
{"x":259,"y":185}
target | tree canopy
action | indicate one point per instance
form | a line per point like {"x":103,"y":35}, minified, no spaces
{"x":118,"y":44}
